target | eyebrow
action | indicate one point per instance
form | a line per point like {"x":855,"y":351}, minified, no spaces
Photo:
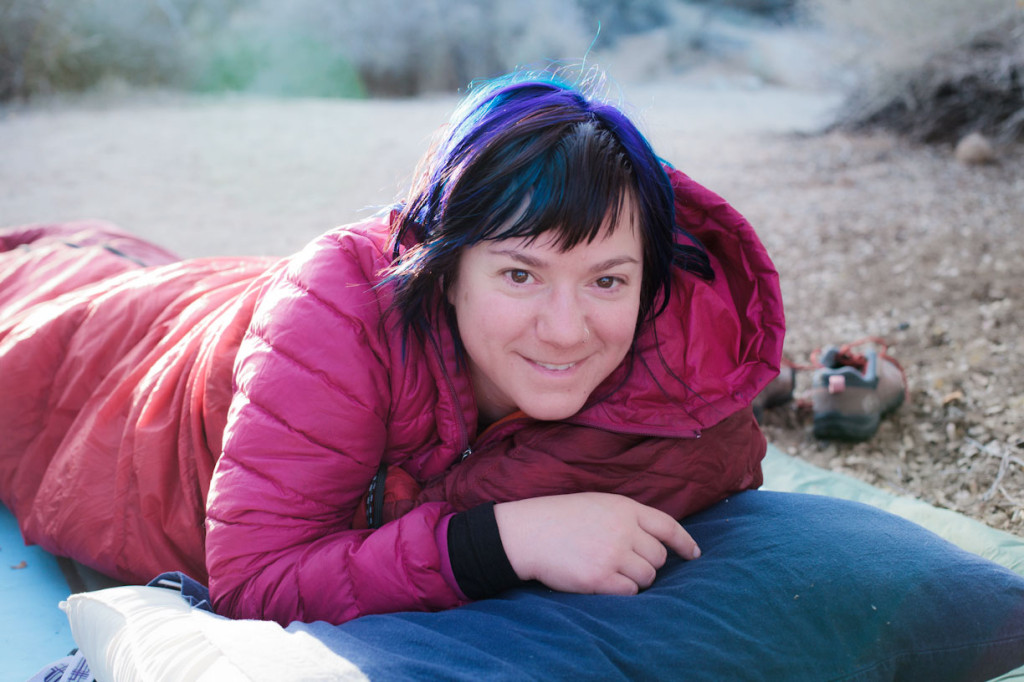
{"x":534,"y":262}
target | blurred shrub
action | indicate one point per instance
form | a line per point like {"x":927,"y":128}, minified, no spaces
{"x":301,"y":47}
{"x":271,"y":48}
{"x":932,"y":69}
{"x":400,"y":47}
{"x":618,"y":18}
{"x":54,"y":45}
{"x":779,"y":10}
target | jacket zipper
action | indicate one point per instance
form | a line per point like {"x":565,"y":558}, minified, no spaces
{"x":498,"y":429}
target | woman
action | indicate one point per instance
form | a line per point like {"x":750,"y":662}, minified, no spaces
{"x":526,"y":371}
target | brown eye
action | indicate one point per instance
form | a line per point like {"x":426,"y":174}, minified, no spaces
{"x":519,"y":276}
{"x":606,"y":282}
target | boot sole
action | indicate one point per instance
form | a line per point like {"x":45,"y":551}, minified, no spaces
{"x":838,"y":426}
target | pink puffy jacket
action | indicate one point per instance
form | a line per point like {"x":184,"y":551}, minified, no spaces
{"x":324,"y":389}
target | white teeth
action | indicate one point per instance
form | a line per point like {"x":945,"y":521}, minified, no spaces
{"x":558,"y":368}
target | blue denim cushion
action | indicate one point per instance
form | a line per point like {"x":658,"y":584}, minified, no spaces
{"x":790,"y":587}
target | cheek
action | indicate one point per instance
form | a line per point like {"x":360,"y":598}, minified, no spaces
{"x":619,"y":327}
{"x":486,"y":323}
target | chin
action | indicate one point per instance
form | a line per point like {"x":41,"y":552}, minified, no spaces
{"x":552,"y":413}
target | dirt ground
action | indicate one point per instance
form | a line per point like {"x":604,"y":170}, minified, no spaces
{"x":871,"y":236}
{"x":874,"y":237}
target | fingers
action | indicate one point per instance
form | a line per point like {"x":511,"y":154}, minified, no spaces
{"x":640,"y":572}
{"x":650,"y":549}
{"x":620,"y":585}
{"x":666,"y":529}
{"x":649,"y":555}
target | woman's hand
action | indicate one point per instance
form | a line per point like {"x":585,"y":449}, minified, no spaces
{"x":590,"y":543}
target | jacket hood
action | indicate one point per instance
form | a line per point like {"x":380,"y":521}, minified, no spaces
{"x":716,"y":344}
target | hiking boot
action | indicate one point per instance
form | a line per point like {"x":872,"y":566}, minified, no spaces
{"x":851,"y":392}
{"x":778,"y":392}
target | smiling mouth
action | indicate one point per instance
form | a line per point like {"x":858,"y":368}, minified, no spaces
{"x":555,"y":368}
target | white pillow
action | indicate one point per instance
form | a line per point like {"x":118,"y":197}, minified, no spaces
{"x":151,"y":633}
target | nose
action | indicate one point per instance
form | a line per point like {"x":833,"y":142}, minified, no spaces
{"x":562,"y":320}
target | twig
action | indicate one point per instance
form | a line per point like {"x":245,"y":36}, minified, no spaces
{"x":1004,"y":464}
{"x":991,"y":452}
{"x":997,"y":484}
{"x":1012,"y":500}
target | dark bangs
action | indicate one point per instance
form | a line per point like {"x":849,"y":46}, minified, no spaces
{"x":571,"y":180}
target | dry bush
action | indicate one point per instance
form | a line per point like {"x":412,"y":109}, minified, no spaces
{"x":388,"y":47}
{"x":341,"y":47}
{"x":933,"y":70}
{"x":403,"y":48}
{"x":978,"y":87}
{"x":301,"y":47}
{"x":59,"y":45}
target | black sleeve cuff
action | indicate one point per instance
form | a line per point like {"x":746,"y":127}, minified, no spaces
{"x":478,"y":558}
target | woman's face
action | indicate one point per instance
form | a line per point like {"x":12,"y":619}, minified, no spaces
{"x":543,"y":328}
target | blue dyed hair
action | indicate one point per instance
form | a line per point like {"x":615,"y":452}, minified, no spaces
{"x":523,"y":155}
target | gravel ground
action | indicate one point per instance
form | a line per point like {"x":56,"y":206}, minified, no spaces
{"x":875,"y":237}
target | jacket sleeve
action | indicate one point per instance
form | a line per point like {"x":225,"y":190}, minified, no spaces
{"x":306,"y":431}
{"x":677,"y":476}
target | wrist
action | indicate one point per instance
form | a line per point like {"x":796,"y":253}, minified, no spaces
{"x":478,"y":558}
{"x":511,"y":534}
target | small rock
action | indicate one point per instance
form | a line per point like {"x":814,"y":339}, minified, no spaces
{"x":974,"y":149}
{"x":997,"y":519}
{"x":955,"y":396}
